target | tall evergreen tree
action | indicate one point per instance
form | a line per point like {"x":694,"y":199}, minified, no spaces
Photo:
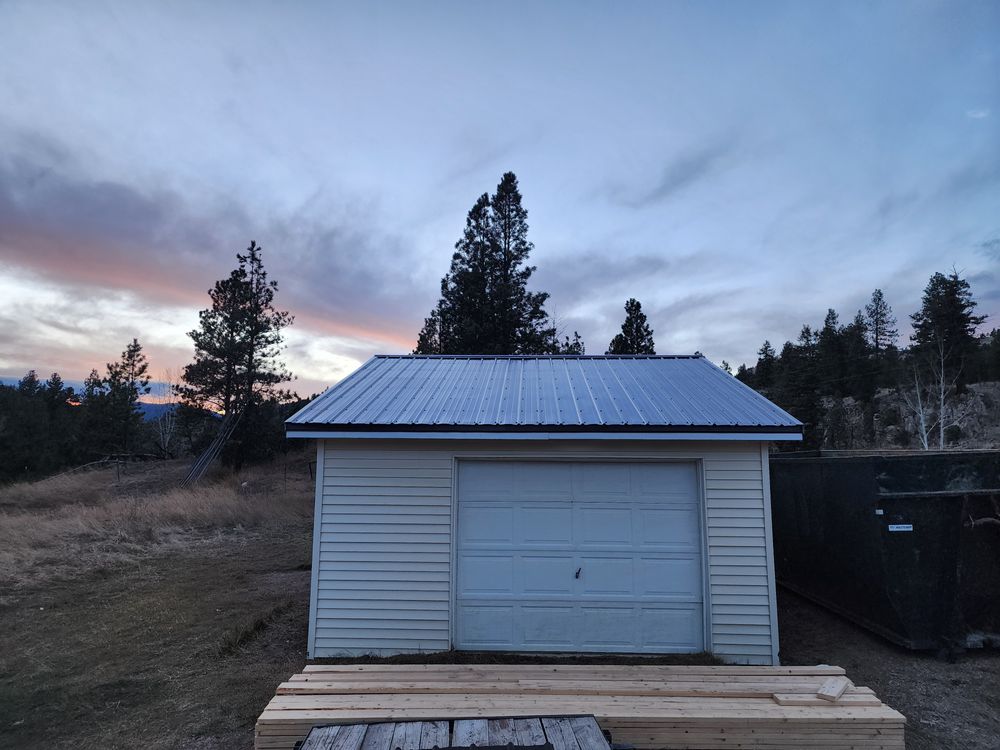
{"x":946,"y":321}
{"x":636,"y":336}
{"x":485,"y":305}
{"x":238,"y":343}
{"x":29,"y":385}
{"x":126,"y":380}
{"x":764,"y":371}
{"x":829,"y":353}
{"x":880,"y":324}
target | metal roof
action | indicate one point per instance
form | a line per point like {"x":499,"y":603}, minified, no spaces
{"x":541,"y":394}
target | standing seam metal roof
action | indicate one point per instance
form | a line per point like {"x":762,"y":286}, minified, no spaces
{"x":542,"y":393}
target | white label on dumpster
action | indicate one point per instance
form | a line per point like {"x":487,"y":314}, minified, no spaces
{"x":900,"y":527}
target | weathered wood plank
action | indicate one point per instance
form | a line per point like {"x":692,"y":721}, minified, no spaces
{"x":529,"y":732}
{"x":349,"y":737}
{"x":471,"y":732}
{"x":588,"y":734}
{"x":378,"y":736}
{"x":559,"y":732}
{"x":434,"y":734}
{"x":501,"y":731}
{"x":406,"y":735}
{"x":320,"y":738}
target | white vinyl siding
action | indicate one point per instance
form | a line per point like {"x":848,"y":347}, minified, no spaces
{"x":383,"y":578}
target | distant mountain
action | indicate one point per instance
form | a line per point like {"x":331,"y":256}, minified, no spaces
{"x":151,"y":412}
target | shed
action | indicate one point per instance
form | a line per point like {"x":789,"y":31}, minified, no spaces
{"x":543,"y":504}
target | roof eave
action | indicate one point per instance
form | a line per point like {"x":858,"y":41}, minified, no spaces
{"x":505,"y":432}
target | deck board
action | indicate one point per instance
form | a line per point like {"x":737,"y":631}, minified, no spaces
{"x":645,"y":706}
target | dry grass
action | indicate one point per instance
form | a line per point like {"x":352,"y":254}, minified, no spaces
{"x":84,"y":488}
{"x":67,"y":525}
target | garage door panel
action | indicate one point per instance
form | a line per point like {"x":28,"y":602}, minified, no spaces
{"x":487,"y":480}
{"x":547,"y":575}
{"x":608,"y":628}
{"x":489,"y":626}
{"x":544,"y":481}
{"x":669,"y":578}
{"x":663,"y":478}
{"x":666,"y":629}
{"x":606,"y":576}
{"x":602,"y":480}
{"x":546,"y":525}
{"x":631,"y":530}
{"x":676,"y":529}
{"x":486,"y":574}
{"x":486,"y":524}
{"x":549,"y":627}
{"x":604,"y":526}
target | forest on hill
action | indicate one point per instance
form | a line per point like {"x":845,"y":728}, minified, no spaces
{"x":856,"y":385}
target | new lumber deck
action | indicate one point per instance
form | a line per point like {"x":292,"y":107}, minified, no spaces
{"x":655,"y":707}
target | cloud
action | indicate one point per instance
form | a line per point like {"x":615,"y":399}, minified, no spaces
{"x":977,"y":114}
{"x":683,"y":171}
{"x":103,"y":237}
{"x":991,"y":248}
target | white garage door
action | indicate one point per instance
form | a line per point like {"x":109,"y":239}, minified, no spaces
{"x":559,"y":556}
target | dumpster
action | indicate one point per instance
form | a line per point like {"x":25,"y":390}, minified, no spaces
{"x":905,"y":543}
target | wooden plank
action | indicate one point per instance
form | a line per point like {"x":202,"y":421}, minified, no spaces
{"x":434,"y":734}
{"x":528,"y":669}
{"x":559,"y":732}
{"x":811,"y":699}
{"x":833,"y":688}
{"x":320,"y":738}
{"x":349,"y":737}
{"x":470,"y":732}
{"x":745,"y":689}
{"x":648,"y":706}
{"x":588,"y":734}
{"x":501,"y":731}
{"x":406,"y":735}
{"x":378,"y":737}
{"x":529,"y":732}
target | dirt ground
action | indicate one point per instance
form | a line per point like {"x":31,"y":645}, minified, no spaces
{"x":182,"y":644}
{"x":948,"y":706}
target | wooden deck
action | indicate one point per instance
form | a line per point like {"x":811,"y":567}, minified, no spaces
{"x":561,"y":732}
{"x":711,"y":708}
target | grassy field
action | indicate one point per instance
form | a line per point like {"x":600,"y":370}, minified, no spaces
{"x":135,"y":614}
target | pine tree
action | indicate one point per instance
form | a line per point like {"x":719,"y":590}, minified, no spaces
{"x":946,"y":320}
{"x":485,"y":305}
{"x":880,"y":323}
{"x":764,"y":371}
{"x":636,"y":336}
{"x":127,"y":380}
{"x":830,"y":355}
{"x":238,"y":342}
{"x":29,"y":385}
{"x":572,"y":345}
{"x":97,"y":423}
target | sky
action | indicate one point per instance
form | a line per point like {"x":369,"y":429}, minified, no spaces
{"x":737,"y":167}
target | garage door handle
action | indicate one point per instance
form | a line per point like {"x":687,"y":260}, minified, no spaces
{"x":578,"y":572}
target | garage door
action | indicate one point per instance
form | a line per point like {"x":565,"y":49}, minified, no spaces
{"x":559,"y":556}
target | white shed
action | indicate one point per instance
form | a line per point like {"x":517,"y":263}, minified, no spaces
{"x":543,"y":503}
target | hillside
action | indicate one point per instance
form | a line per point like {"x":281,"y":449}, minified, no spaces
{"x":889,"y":423}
